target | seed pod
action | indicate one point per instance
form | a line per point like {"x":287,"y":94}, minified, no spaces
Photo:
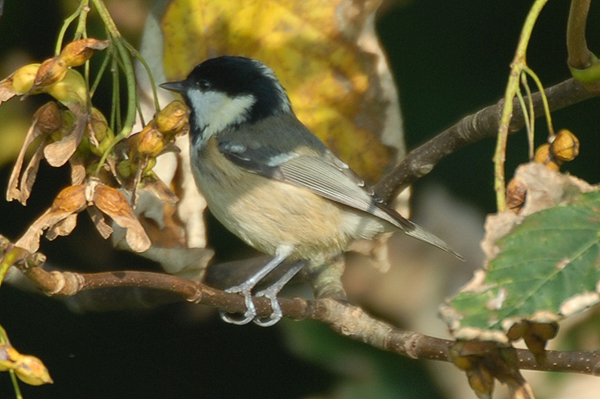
{"x":78,"y":52}
{"x":32,"y":371}
{"x":49,"y":118}
{"x":544,"y":157}
{"x":150,"y":142}
{"x":172,"y":117}
{"x":71,"y":89}
{"x":100,"y":125}
{"x":516,"y":192}
{"x":51,"y":71}
{"x":565,"y":146}
{"x":22,"y":79}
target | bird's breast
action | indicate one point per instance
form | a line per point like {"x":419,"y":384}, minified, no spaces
{"x":266,"y":213}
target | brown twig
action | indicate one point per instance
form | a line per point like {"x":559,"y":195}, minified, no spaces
{"x":346,"y":319}
{"x":473,"y":128}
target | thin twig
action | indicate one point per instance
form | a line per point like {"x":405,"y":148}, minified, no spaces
{"x":474,"y":127}
{"x":516,"y":68}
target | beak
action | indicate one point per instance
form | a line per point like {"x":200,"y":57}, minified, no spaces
{"x":178,"y":87}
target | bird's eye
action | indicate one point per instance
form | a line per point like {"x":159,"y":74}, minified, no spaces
{"x":204,"y":84}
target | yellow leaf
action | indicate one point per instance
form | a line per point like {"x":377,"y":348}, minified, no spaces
{"x":317,"y":51}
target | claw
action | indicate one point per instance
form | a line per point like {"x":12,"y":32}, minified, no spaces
{"x":276,"y":314}
{"x":271,"y":292}
{"x":249,"y":314}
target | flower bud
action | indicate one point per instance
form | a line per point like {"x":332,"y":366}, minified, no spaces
{"x":22,"y":79}
{"x":565,"y":146}
{"x":51,"y":71}
{"x":78,"y":52}
{"x":172,"y":117}
{"x":544,"y":157}
{"x":516,"y":191}
{"x":150,"y":142}
{"x":49,"y":118}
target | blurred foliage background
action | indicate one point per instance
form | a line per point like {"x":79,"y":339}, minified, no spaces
{"x":449,"y":58}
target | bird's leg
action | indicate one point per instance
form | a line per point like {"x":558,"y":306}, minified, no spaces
{"x":247,"y":286}
{"x":271,"y":293}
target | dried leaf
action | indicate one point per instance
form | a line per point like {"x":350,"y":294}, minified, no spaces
{"x":30,"y":174}
{"x":78,"y":52}
{"x":62,"y":228}
{"x":100,"y":222}
{"x":69,"y":201}
{"x":46,"y":120}
{"x":376,"y":249}
{"x":13,"y":191}
{"x":192,"y":204}
{"x":6,"y":91}
{"x":58,"y":153}
{"x":113,"y":203}
{"x":154,"y":185}
{"x":78,"y":171}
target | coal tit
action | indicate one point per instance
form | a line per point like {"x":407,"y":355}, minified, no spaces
{"x":272,"y":182}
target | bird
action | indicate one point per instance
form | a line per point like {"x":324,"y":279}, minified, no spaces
{"x":270,"y":181}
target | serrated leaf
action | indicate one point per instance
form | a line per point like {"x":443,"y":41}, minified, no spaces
{"x":548,"y":267}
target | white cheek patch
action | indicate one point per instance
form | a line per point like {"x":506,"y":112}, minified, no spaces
{"x":215,"y":111}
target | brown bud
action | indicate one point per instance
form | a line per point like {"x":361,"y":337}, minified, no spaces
{"x":150,"y":142}
{"x":51,"y":71}
{"x":517,"y":330}
{"x":481,"y":381}
{"x":565,"y":146}
{"x":545,"y":330}
{"x":464,"y":362}
{"x":78,"y":52}
{"x":516,"y":192}
{"x":49,"y":118}
{"x":172,"y":117}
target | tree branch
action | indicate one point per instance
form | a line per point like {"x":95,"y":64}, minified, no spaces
{"x":472,"y":128}
{"x":346,"y":319}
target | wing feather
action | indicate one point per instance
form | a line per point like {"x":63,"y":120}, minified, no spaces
{"x":310,"y":165}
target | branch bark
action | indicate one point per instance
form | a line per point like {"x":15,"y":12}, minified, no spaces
{"x":346,"y":319}
{"x":472,"y":128}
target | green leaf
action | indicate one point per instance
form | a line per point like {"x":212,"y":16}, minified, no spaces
{"x":548,"y":268}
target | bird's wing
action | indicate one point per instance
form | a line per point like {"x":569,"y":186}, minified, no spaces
{"x":321,"y":172}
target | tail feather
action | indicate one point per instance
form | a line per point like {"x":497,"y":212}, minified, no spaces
{"x":414,"y":230}
{"x":421,"y":234}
